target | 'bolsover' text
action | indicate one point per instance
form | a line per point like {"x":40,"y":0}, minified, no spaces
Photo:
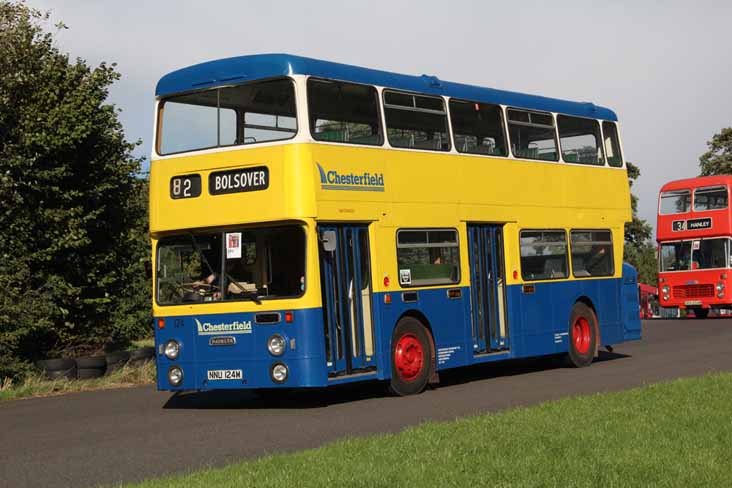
{"x":238,"y":180}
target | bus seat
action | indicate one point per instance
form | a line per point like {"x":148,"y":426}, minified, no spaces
{"x":554,"y":268}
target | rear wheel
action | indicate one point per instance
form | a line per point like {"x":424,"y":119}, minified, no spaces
{"x":582,"y":336}
{"x":701,"y":313}
{"x":411,"y":357}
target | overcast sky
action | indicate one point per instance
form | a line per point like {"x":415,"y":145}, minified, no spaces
{"x":664,"y":67}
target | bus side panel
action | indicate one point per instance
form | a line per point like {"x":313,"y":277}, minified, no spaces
{"x":449,"y":320}
{"x":630,"y":303}
{"x":540,"y":319}
{"x":532,"y":329}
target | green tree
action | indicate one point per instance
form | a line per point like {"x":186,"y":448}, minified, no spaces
{"x":639,"y":248}
{"x":718,"y":159}
{"x":71,"y":203}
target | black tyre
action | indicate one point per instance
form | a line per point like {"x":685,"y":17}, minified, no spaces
{"x":144,"y":354}
{"x":116,"y":360}
{"x":411,"y":357}
{"x":69,"y":374}
{"x":89,"y":373}
{"x":582,"y":336}
{"x":60,"y":364}
{"x":92,"y":362}
{"x":701,"y":313}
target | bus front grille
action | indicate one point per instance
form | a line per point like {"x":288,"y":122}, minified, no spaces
{"x":693,"y":291}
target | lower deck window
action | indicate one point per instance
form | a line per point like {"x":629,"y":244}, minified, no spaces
{"x":592,"y":253}
{"x":543,"y":254}
{"x":242,"y":264}
{"x":428,"y":257}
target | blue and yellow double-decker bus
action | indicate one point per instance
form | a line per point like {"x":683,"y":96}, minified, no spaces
{"x":316,"y":223}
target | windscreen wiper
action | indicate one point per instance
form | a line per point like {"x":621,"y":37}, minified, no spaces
{"x":251,"y":295}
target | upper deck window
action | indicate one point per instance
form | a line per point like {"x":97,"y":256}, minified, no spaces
{"x":344,"y":112}
{"x":710,"y":198}
{"x":478,"y":128}
{"x":612,"y":144}
{"x":416,"y":121}
{"x":532,"y":135}
{"x":580,"y":140}
{"x":244,"y":114}
{"x":677,"y":201}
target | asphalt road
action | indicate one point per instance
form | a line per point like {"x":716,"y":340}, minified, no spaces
{"x":113,"y":436}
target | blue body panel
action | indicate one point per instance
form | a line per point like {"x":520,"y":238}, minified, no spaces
{"x":631,"y":304}
{"x":306,"y":362}
{"x":261,"y":66}
{"x":538,"y":325}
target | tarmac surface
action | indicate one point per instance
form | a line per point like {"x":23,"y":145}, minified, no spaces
{"x":113,"y":436}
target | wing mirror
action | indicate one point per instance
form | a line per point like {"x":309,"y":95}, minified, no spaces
{"x":328,"y":240}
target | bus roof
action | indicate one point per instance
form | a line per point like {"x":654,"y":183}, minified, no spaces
{"x":260,"y":66}
{"x":699,"y":181}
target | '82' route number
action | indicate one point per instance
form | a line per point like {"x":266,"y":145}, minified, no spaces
{"x":185,"y":186}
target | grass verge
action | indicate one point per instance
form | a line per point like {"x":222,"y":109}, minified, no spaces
{"x":38,"y":386}
{"x":668,"y":434}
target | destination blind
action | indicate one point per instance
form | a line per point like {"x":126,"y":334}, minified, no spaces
{"x":238,"y":180}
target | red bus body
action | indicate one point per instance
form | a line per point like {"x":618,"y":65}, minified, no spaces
{"x":690,"y":286}
{"x":646,"y":295}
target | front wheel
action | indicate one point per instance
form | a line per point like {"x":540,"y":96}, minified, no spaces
{"x":582,"y":336}
{"x":701,"y":313}
{"x":411,"y":357}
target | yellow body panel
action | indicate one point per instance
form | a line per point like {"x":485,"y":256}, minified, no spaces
{"x":420,"y":189}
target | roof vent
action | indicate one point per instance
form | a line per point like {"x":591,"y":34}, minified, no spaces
{"x":432,"y":81}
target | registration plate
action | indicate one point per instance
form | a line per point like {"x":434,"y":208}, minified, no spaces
{"x":225,"y":374}
{"x":692,"y":302}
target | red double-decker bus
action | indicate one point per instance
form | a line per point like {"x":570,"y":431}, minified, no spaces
{"x":693,"y":233}
{"x":648,"y":298}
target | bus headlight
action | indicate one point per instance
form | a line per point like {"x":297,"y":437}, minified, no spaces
{"x":172,"y":349}
{"x":720,"y":290}
{"x":279,"y":373}
{"x":175,"y":375}
{"x":276,"y":345}
{"x":665,"y":290}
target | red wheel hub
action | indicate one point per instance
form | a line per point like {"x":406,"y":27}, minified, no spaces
{"x":581,"y":335}
{"x":409,"y":357}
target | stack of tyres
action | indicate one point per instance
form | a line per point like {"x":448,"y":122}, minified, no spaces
{"x":117,"y":360}
{"x":56,"y":369}
{"x":91,"y":367}
{"x":138,"y":357}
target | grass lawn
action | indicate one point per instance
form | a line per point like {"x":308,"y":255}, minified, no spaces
{"x":669,"y":434}
{"x":38,"y":386}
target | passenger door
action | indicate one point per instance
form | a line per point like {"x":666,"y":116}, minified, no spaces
{"x":488,"y":288}
{"x":347,"y":292}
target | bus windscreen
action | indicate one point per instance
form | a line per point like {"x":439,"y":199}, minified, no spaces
{"x":232,"y":265}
